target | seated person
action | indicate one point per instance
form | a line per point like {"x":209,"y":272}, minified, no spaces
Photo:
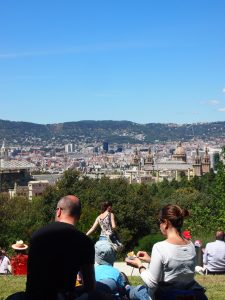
{"x":199,"y":256}
{"x":19,"y":261}
{"x":172,"y":264}
{"x":214,"y":256}
{"x":108,"y":278}
{"x":5,"y":266}
{"x":57,"y":252}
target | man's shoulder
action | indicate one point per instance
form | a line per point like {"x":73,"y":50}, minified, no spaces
{"x":61,"y":229}
{"x":49,"y":227}
{"x":6,"y":259}
{"x":55,"y":226}
{"x":210,"y":244}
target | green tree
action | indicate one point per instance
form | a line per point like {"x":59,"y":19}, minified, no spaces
{"x":19,"y":219}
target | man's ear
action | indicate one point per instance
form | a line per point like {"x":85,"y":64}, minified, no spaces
{"x":58,"y":212}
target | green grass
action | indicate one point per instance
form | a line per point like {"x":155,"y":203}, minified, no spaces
{"x":10,"y":284}
{"x":214,"y":285}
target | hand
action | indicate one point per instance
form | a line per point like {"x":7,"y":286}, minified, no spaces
{"x":143,"y":255}
{"x":135,"y":262}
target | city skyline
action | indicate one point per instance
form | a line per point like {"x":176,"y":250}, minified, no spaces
{"x":144,"y":62}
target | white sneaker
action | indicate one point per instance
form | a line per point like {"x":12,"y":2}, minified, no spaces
{"x":200,"y":270}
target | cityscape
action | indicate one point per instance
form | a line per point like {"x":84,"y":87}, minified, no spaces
{"x":29,"y":170}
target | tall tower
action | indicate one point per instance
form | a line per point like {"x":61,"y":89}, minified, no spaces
{"x":197,"y":165}
{"x":206,"y":162}
{"x":136,"y":158}
{"x":180,"y":154}
{"x":105,"y":147}
{"x":4,"y":154}
{"x":4,"y":151}
{"x":149,"y":158}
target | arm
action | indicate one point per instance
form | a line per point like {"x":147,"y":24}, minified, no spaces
{"x":153,"y":275}
{"x":93,"y":228}
{"x":88,"y":276}
{"x":205,"y":256}
{"x":150,"y":276}
{"x":9,"y":265}
{"x":113,"y":221}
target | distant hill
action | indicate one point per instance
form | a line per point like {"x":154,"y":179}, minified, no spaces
{"x":113,"y":131}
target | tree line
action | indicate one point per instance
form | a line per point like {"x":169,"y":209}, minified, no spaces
{"x":135,"y":206}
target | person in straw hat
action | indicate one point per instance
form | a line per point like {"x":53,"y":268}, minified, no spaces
{"x":19,"y":260}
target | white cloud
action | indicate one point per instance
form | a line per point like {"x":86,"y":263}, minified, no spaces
{"x":210,"y":102}
{"x":223,"y":90}
{"x":213,"y":102}
{"x":222,"y":109}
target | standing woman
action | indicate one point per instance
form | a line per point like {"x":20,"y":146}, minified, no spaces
{"x":172,"y":263}
{"x":105,"y":220}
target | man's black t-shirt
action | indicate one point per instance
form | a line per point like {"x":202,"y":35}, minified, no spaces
{"x":56,"y":254}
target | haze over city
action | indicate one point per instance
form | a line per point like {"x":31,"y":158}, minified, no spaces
{"x":143,"y":61}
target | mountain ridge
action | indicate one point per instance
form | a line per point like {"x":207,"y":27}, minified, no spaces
{"x":17,"y":132}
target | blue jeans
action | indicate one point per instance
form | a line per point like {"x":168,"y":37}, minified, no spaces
{"x":139,"y":292}
{"x":107,"y":285}
{"x":102,"y":238}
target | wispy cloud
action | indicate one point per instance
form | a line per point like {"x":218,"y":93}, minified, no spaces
{"x":40,"y":53}
{"x":81,"y":49}
{"x":212,"y":102}
{"x":222,"y":109}
{"x":190,"y":113}
{"x":223,"y":90}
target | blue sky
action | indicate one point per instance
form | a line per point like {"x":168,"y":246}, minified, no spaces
{"x":139,"y":60}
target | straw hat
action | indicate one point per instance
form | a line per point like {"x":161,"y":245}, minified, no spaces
{"x":19,"y":245}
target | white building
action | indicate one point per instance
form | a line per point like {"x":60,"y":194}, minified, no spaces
{"x":36,"y":188}
{"x":69,"y":148}
{"x":33,"y":189}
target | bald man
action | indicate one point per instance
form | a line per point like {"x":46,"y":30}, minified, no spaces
{"x":57,"y":252}
{"x":214,"y":255}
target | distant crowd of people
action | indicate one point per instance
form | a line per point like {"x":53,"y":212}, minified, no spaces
{"x":64,"y":264}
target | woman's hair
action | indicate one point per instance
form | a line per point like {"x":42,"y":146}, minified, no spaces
{"x":175,"y":214}
{"x":105,"y":205}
